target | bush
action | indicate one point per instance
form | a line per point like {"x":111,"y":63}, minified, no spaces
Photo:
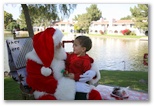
{"x":133,"y":33}
{"x":12,"y":25}
{"x":126,"y":32}
{"x":101,"y":32}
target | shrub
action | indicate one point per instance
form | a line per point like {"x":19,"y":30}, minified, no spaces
{"x":133,"y":33}
{"x":126,"y":32}
{"x":101,"y":32}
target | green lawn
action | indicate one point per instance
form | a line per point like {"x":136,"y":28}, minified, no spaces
{"x":118,"y":36}
{"x":11,"y":89}
{"x":112,"y":36}
{"x":113,"y":78}
{"x":134,"y":79}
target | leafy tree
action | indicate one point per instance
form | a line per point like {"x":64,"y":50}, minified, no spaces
{"x":126,"y":18}
{"x":46,"y":12}
{"x":8,"y":18}
{"x":84,"y":20}
{"x":140,"y":16}
{"x":38,"y":16}
{"x":83,"y":23}
{"x":93,"y":13}
{"x":76,"y":18}
{"x":21,"y":21}
{"x":13,"y":25}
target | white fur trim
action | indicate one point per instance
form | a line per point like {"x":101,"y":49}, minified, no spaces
{"x":46,"y":71}
{"x":58,"y":66}
{"x":60,"y":54}
{"x":65,"y":89}
{"x":33,"y":56}
{"x":57,"y":37}
{"x":98,"y":76}
{"x":38,"y":94}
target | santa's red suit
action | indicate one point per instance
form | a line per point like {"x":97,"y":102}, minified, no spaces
{"x":45,"y":64}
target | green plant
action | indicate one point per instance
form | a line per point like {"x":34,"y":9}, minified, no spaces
{"x":126,"y":32}
{"x":101,"y":32}
{"x":133,"y":33}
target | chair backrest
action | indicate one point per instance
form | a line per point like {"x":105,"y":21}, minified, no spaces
{"x":17,"y":49}
{"x":67,"y":41}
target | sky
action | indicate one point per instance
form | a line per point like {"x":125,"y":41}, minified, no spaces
{"x":109,"y":11}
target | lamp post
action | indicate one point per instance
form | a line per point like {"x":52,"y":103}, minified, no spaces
{"x":124,"y":65}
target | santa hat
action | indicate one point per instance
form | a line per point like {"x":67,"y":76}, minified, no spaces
{"x":43,"y":44}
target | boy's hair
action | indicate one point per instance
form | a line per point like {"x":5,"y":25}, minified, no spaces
{"x":85,"y":41}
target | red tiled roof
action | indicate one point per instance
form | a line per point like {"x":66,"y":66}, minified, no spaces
{"x":116,"y":22}
{"x":100,"y":22}
{"x":123,"y":22}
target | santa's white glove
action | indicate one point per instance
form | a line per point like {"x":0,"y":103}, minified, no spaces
{"x":87,"y":76}
{"x":82,"y":87}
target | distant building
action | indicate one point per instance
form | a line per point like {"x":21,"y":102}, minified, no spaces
{"x":38,"y":29}
{"x":106,"y":26}
{"x":64,"y":26}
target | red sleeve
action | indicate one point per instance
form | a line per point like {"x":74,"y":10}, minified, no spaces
{"x":86,"y":66}
{"x":77,"y":76}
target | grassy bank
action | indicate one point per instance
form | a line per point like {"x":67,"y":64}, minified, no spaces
{"x":134,"y":79}
{"x":118,"y":36}
{"x":11,"y":89}
{"x":113,"y":78}
{"x":25,"y":33}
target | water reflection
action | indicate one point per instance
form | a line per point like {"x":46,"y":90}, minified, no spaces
{"x":111,"y":54}
{"x":119,"y":54}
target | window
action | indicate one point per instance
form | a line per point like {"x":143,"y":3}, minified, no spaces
{"x":62,"y":24}
{"x":131,"y":25}
{"x":95,"y":30}
{"x":71,"y":25}
{"x":115,"y":31}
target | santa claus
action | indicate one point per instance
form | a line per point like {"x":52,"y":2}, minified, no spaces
{"x":45,"y":65}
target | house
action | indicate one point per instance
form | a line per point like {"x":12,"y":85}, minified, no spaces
{"x":64,"y":26}
{"x":38,"y":29}
{"x":110,"y":27}
{"x":106,"y":26}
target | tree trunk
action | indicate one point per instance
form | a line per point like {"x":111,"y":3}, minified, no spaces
{"x":28,"y":20}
